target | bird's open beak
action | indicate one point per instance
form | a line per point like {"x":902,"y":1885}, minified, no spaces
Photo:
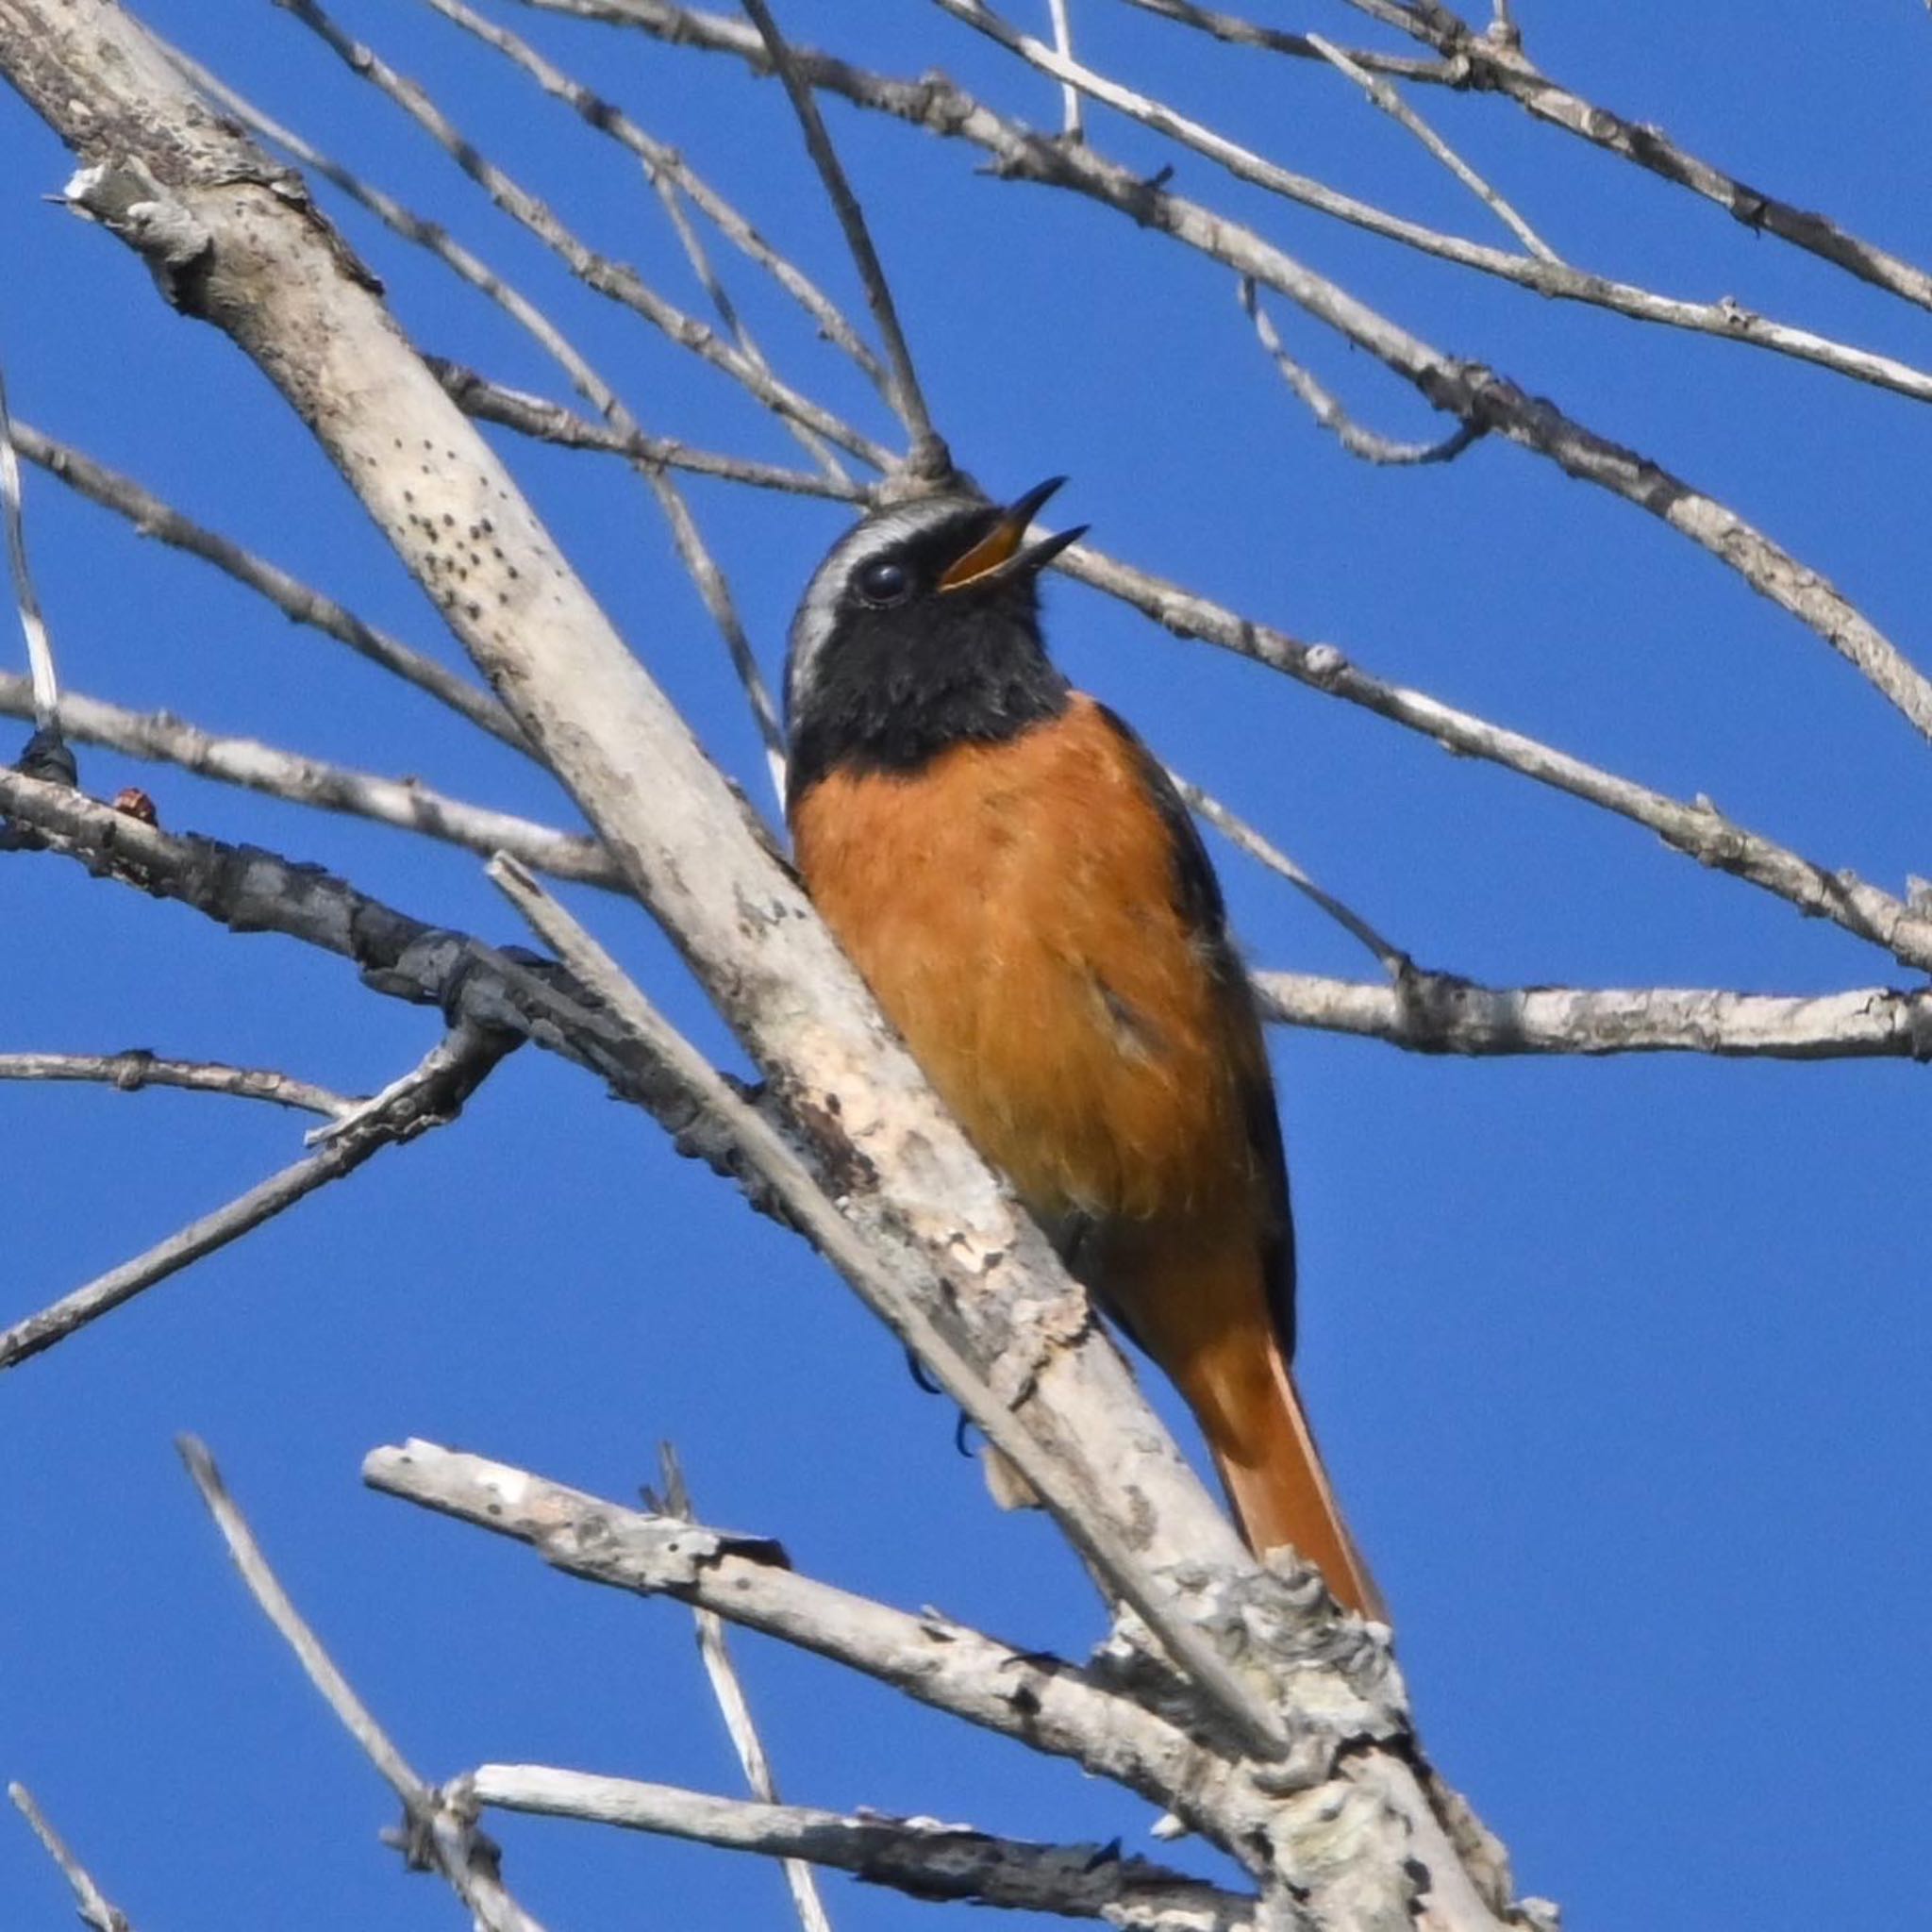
{"x":997,"y":555}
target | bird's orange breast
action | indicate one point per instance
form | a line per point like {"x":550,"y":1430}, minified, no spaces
{"x":1013,"y":907}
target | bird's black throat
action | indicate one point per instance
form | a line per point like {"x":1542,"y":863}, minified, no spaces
{"x":891,"y":690}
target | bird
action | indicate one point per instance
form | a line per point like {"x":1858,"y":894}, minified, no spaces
{"x":1022,"y":889}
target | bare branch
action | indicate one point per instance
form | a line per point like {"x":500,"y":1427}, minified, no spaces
{"x":250,"y":890}
{"x":1054,"y":1705}
{"x":152,"y":517}
{"x":727,"y":1686}
{"x":917,"y":1856}
{"x":1327,"y":411}
{"x":171,"y":180}
{"x":492,"y":401}
{"x":441,"y":1836}
{"x":404,"y":803}
{"x":430,"y":1097}
{"x":929,"y":456}
{"x":613,"y":280}
{"x":1244,"y":33}
{"x":888,"y":1277}
{"x":1246,"y":839}
{"x":1439,"y":1012}
{"x":1391,"y":104}
{"x":1064,"y":45}
{"x":138,"y":1068}
{"x":1497,"y":65}
{"x":90,"y":1901}
{"x":692,"y":548}
{"x":40,"y":650}
{"x":1698,"y":829}
{"x":1470,"y":391}
{"x":1726,"y":319}
{"x":665,"y":164}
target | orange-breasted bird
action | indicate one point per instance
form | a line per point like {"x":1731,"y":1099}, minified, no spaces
{"x":1024,"y":893}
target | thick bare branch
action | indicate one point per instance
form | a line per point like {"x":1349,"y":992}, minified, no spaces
{"x":917,"y":1856}
{"x":1053,"y":1706}
{"x":1316,"y":1837}
{"x":441,"y":1836}
{"x":430,"y":1096}
{"x":171,"y":180}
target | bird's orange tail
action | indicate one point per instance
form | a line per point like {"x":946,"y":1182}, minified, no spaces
{"x":1279,"y":1488}
{"x":1233,"y":1375}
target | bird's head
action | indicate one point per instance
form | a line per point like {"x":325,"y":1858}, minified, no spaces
{"x":920,"y":630}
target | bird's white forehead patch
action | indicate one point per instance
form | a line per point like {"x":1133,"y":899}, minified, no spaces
{"x":874,"y":536}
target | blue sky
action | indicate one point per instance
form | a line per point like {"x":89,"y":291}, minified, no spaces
{"x":1620,"y":1364}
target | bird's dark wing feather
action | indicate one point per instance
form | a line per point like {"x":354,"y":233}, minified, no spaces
{"x":1199,"y":901}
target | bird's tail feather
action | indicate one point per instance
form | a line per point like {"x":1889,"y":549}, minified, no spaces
{"x":1279,"y":1489}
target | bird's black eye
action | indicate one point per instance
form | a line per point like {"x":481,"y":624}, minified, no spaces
{"x":884,"y":581}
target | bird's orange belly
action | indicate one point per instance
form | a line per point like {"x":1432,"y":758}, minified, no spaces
{"x":1011,"y":907}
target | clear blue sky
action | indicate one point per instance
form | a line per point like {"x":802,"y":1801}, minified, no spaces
{"x":1621,"y":1365}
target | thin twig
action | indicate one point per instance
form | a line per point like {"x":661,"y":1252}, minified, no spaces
{"x":39,"y":649}
{"x":609,"y":278}
{"x":90,"y":1901}
{"x":1470,"y":391}
{"x":536,"y":416}
{"x":431,"y":1096}
{"x":137,"y":1067}
{"x":734,"y":1706}
{"x":670,"y":198}
{"x":1245,"y":33}
{"x":441,"y":1836}
{"x":1070,"y":107}
{"x":1496,"y":66}
{"x":153,"y":517}
{"x":1391,"y":104}
{"x":917,"y":1856}
{"x":1326,"y":409}
{"x":665,"y":162}
{"x":929,"y":456}
{"x":1246,"y":839}
{"x":1728,"y":320}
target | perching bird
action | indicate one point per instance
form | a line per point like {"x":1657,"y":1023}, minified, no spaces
{"x":1024,"y":890}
